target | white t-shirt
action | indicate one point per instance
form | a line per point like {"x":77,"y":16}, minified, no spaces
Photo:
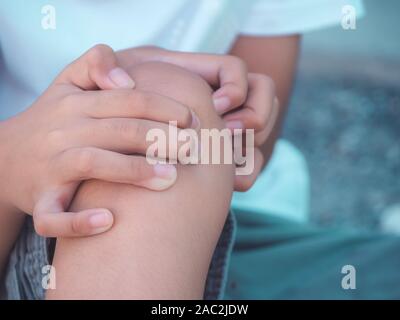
{"x":32,"y":54}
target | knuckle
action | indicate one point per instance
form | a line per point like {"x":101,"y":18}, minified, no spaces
{"x":96,"y":54}
{"x":68,"y":102}
{"x":259,"y":120}
{"x":112,"y":98}
{"x":239,"y":96}
{"x":56,"y":137}
{"x":138,"y":130}
{"x":141,"y":101}
{"x":130,"y":128}
{"x":84,"y":160}
{"x":185,"y":117}
{"x":136,"y":168}
{"x":76,"y":225}
{"x":236,"y":62}
{"x":40,"y":226}
{"x":266,"y":82}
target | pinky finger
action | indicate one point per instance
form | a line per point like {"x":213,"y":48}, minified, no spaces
{"x":245,"y":182}
{"x":261,"y":137}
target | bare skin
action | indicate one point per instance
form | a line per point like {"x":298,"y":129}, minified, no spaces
{"x":275,"y":57}
{"x":43,"y":150}
{"x":161,"y":244}
{"x":279,"y":57}
{"x":69,"y":134}
{"x":227,"y":74}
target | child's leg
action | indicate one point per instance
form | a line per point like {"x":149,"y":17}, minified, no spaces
{"x":162,"y":242}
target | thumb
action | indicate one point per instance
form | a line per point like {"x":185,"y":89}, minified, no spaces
{"x":50,"y":220}
{"x":96,"y":69}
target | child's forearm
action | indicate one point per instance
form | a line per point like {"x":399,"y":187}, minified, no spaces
{"x":277,"y":58}
{"x":10,"y":220}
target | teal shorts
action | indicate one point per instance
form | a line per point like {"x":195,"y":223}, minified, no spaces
{"x":276,"y":258}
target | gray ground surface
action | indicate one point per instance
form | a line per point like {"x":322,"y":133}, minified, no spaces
{"x":345,"y":117}
{"x":349,"y":131}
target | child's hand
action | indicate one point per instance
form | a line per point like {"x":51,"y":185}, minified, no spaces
{"x":69,"y":135}
{"x":245,"y":101}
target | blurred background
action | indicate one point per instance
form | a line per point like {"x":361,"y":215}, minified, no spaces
{"x":345,"y":118}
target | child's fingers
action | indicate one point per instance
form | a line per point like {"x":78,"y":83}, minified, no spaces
{"x":92,"y":163}
{"x":245,"y":182}
{"x":260,"y":109}
{"x":264,"y":134}
{"x":134,"y":104}
{"x":233,"y":85}
{"x":97,"y":68}
{"x":227,"y":73}
{"x":129,"y":136}
{"x":50,"y":220}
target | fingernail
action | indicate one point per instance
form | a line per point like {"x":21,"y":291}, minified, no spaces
{"x":165,"y":171}
{"x":222,"y":104}
{"x":121,"y":79}
{"x":195,"y":121}
{"x":165,"y":177}
{"x":101,"y":220}
{"x":234,"y":124}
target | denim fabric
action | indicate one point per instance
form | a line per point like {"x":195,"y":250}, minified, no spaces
{"x":24,"y":276}
{"x":218,"y":272}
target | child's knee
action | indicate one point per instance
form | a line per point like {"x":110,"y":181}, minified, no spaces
{"x":181,"y":85}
